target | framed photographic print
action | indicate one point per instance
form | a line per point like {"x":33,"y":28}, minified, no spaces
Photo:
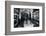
{"x":24,"y":17}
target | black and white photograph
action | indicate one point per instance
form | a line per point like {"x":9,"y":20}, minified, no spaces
{"x":26,"y":17}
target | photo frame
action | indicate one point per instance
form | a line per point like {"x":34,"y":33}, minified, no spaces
{"x":24,"y":17}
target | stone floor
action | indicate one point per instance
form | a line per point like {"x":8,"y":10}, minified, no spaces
{"x":30,"y":24}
